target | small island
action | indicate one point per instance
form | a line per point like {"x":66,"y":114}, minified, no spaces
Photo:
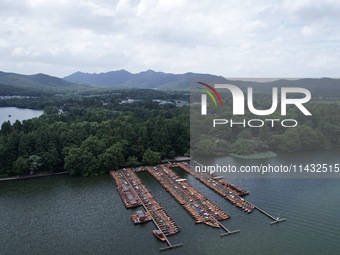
{"x":257,"y":155}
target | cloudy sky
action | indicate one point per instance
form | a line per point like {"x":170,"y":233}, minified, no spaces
{"x":232,"y":38}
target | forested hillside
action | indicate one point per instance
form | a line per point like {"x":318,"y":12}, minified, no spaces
{"x":35,"y":85}
{"x":94,"y":135}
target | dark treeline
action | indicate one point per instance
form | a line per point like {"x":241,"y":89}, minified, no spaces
{"x":94,"y":134}
{"x":92,"y":96}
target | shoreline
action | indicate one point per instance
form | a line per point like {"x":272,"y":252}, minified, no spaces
{"x":23,"y":177}
{"x":13,"y":178}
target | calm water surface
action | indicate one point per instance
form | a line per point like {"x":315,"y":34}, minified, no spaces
{"x":17,"y":114}
{"x":74,"y":215}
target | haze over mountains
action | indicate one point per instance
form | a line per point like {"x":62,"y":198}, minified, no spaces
{"x":147,"y":80}
{"x":150,"y":79}
{"x":41,"y":84}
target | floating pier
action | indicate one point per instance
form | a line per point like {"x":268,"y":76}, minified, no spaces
{"x":134,"y":193}
{"x":221,"y":186}
{"x":228,"y":232}
{"x":199,"y":207}
{"x":275,"y":220}
{"x":226,"y":189}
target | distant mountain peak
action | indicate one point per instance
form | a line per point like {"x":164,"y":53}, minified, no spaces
{"x":40,"y":83}
{"x":108,"y":79}
{"x":145,"y":79}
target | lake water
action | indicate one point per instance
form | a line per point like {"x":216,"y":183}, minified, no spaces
{"x":75,"y":215}
{"x":17,"y":114}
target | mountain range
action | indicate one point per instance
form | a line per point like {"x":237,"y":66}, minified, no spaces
{"x":19,"y":84}
{"x":147,"y":80}
{"x":40,"y":84}
{"x":322,"y":87}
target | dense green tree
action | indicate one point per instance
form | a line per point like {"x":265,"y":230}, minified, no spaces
{"x":151,"y":157}
{"x":242,"y":147}
{"x":112,"y":158}
{"x":51,"y":109}
{"x":21,"y":166}
{"x":81,"y":161}
{"x":264,"y":134}
{"x":2,"y":156}
{"x":289,"y":141}
{"x":94,"y":145}
{"x":34,"y":163}
{"x":51,"y":159}
{"x":17,"y":125}
{"x":206,"y":146}
{"x":245,"y":134}
{"x":24,"y":146}
{"x":132,"y":161}
{"x":6,"y":127}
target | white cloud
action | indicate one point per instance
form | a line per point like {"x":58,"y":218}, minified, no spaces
{"x":230,"y":38}
{"x":308,"y":31}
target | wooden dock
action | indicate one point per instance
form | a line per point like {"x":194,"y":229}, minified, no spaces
{"x":134,"y":194}
{"x":227,"y":190}
{"x":221,"y":186}
{"x":163,"y":222}
{"x":199,"y":207}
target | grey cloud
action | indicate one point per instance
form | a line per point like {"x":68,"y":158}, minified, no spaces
{"x":314,"y":11}
{"x":232,"y":38}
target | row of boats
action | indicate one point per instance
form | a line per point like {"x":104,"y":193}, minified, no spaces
{"x":134,"y":194}
{"x":198,"y":206}
{"x":221,"y":186}
{"x":125,"y":191}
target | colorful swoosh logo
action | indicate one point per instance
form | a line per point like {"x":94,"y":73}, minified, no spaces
{"x":213,"y":90}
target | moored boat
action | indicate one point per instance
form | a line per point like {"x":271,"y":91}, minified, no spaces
{"x":212,"y":223}
{"x":159,"y":234}
{"x":140,"y":217}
